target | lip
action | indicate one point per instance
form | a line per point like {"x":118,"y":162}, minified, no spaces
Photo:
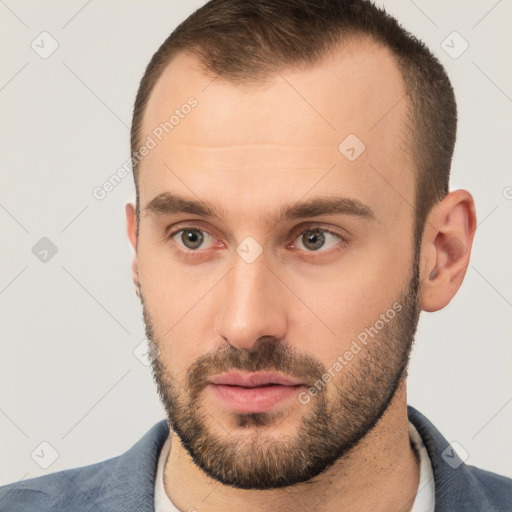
{"x":253,"y":392}
{"x":253,"y":379}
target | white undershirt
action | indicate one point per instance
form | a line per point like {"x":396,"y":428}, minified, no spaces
{"x":162,"y":501}
{"x":425,"y":497}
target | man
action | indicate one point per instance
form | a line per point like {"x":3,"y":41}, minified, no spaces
{"x":291,"y":161}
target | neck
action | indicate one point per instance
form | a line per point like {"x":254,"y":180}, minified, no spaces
{"x":380,"y":474}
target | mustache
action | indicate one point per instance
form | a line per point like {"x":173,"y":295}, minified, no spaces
{"x":267,"y":354}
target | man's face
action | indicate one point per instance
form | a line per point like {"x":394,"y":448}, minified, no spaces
{"x":282,"y":338}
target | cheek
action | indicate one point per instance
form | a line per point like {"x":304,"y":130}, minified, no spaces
{"x":340,"y":301}
{"x":176,"y":299}
{"x":168,"y":285}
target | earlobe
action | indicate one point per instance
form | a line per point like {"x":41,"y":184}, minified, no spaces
{"x":447,"y":240}
{"x":131,"y":230}
{"x":135,"y":276}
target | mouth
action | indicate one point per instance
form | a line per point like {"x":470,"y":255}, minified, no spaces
{"x":253,"y":392}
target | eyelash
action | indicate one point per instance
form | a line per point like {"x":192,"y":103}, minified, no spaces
{"x":295,"y":233}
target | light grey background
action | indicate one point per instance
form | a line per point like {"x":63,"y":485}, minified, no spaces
{"x":68,"y":373}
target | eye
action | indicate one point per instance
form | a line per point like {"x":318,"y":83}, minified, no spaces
{"x":316,"y":239}
{"x":192,"y":238}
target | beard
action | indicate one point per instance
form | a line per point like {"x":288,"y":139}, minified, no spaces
{"x":253,"y":456}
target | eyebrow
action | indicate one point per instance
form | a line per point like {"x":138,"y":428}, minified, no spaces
{"x":168,"y":203}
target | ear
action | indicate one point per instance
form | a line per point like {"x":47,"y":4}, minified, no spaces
{"x":446,"y":247}
{"x":131,"y":230}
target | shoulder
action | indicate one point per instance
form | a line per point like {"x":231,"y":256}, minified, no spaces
{"x":458,"y":486}
{"x":122,"y":483}
{"x":70,"y":489}
{"x":496,"y":488}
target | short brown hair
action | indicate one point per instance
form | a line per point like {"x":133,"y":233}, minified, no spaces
{"x":246,"y":40}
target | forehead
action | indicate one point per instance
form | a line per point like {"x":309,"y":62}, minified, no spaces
{"x":293,"y":125}
{"x":349,"y":88}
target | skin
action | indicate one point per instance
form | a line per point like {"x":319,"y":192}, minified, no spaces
{"x":249,"y":149}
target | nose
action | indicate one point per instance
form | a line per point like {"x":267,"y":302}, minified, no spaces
{"x":250,"y":305}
